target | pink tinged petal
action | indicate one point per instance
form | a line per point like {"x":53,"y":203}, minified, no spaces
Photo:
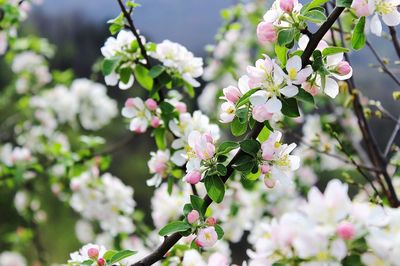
{"x":376,"y":25}
{"x":226,"y":118}
{"x":303,"y":75}
{"x":274,"y":105}
{"x":266,"y":32}
{"x":360,"y":7}
{"x":128,"y":112}
{"x":258,"y":98}
{"x":333,"y":60}
{"x":261,"y":113}
{"x":289,"y":91}
{"x":232,"y":94}
{"x":331,"y":88}
{"x":125,"y":86}
{"x":392,"y":18}
{"x":294,"y":62}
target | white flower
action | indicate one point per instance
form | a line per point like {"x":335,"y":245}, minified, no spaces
{"x":158,"y":165}
{"x":83,"y":253}
{"x":178,"y":59}
{"x":11,"y":258}
{"x":140,"y":116}
{"x":388,"y":10}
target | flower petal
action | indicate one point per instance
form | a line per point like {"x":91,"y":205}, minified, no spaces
{"x":294,"y":62}
{"x":376,"y":25}
{"x":331,"y":88}
{"x":274,"y":105}
{"x":289,"y":90}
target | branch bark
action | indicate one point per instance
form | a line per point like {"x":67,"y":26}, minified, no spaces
{"x":171,"y":240}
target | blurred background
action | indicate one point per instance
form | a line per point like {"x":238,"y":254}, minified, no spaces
{"x":78,"y":29}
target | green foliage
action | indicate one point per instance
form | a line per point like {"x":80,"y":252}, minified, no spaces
{"x":290,"y":107}
{"x":315,"y":16}
{"x":343,"y":3}
{"x":334,"y":50}
{"x":120,"y":255}
{"x":173,"y":227}
{"x":250,"y":146}
{"x":198,"y":204}
{"x":143,"y":77}
{"x":226,"y":147}
{"x":358,"y":38}
{"x":286,"y":37}
{"x":238,"y":128}
{"x":110,"y":65}
{"x":219,"y":231}
{"x":215,"y":188}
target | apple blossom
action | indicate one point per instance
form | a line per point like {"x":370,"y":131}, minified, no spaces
{"x":228,"y":111}
{"x":193,"y":177}
{"x":11,"y":258}
{"x":158,"y":165}
{"x":151,"y":104}
{"x":232,"y":94}
{"x":140,"y":115}
{"x":361,"y":7}
{"x":193,"y":216}
{"x":206,"y":237}
{"x":266,"y":32}
{"x":388,"y":10}
{"x":346,"y":230}
{"x":288,"y":5}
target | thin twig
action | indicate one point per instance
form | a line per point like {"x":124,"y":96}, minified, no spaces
{"x":395,"y":40}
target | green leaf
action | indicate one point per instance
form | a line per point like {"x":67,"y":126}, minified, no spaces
{"x":343,"y":3}
{"x":281,"y":53}
{"x":285,"y":36}
{"x":314,"y":16}
{"x":142,"y":76}
{"x":253,"y":176}
{"x":173,"y":227}
{"x":334,"y":50}
{"x":155,"y":71}
{"x":198,"y":204}
{"x":125,"y":75}
{"x":305,"y":97}
{"x":238,"y":128}
{"x":114,"y":28}
{"x":120,"y":255}
{"x":170,"y":184}
{"x":311,"y":5}
{"x":219,"y":231}
{"x":166,"y":108}
{"x":244,"y":163}
{"x":290,"y":107}
{"x":109,"y":65}
{"x":221,"y":169}
{"x":109,"y":254}
{"x":215,"y":188}
{"x":250,"y":146}
{"x":242,"y":114}
{"x":88,"y":262}
{"x":358,"y":38}
{"x":352,"y":260}
{"x":161,"y":140}
{"x":226,"y":147}
{"x":264,"y":134}
{"x":246,"y":97}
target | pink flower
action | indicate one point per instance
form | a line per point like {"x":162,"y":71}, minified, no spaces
{"x":361,"y":7}
{"x":310,"y":88}
{"x":155,"y":122}
{"x":93,"y":253}
{"x":269,"y":182}
{"x":193,"y":216}
{"x":343,"y":68}
{"x":207,"y":237}
{"x":151,"y":104}
{"x":266,"y":32}
{"x":261,"y":113}
{"x":232,"y":94}
{"x":346,"y":230}
{"x":101,"y":262}
{"x":193,"y":177}
{"x":202,"y":144}
{"x":265,"y":169}
{"x":228,"y":111}
{"x":288,"y":5}
{"x":181,"y":107}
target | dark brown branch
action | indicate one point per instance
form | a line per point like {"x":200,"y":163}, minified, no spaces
{"x":395,"y":40}
{"x":171,"y":240}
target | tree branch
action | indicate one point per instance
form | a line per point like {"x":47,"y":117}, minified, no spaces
{"x":171,"y":240}
{"x":395,"y":40}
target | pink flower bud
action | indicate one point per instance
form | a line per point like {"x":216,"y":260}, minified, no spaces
{"x":361,"y":7}
{"x":151,"y":104}
{"x":266,"y":32}
{"x":287,"y":5}
{"x":232,"y":94}
{"x":198,"y":243}
{"x":130,"y":102}
{"x":193,"y":216}
{"x":181,"y":107}
{"x":101,"y":262}
{"x":343,"y":68}
{"x":155,"y":122}
{"x":310,"y":88}
{"x":346,"y":230}
{"x":265,"y":169}
{"x":211,"y":221}
{"x":208,"y":137}
{"x":193,"y":177}
{"x":261,"y":113}
{"x":93,"y":253}
{"x":270,"y":183}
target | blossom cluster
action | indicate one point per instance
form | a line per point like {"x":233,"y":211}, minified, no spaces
{"x":84,"y":98}
{"x":104,"y":199}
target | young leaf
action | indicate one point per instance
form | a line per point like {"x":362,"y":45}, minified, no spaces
{"x":173,"y":227}
{"x":159,"y":135}
{"x":264,"y":134}
{"x":226,"y":147}
{"x":215,"y":188}
{"x":305,"y":97}
{"x":311,"y":5}
{"x":314,"y":16}
{"x":238,"y":128}
{"x":290,"y":107}
{"x":343,"y":3}
{"x":120,"y":255}
{"x":245,"y":98}
{"x":221,"y":169}
{"x":358,"y":38}
{"x":250,"y":146}
{"x":198,"y":204}
{"x":156,"y":70}
{"x":109,"y":65}
{"x":219,"y":231}
{"x":143,"y":77}
{"x":285,"y":36}
{"x":245,"y":163}
{"x":281,"y":53}
{"x":334,"y":50}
